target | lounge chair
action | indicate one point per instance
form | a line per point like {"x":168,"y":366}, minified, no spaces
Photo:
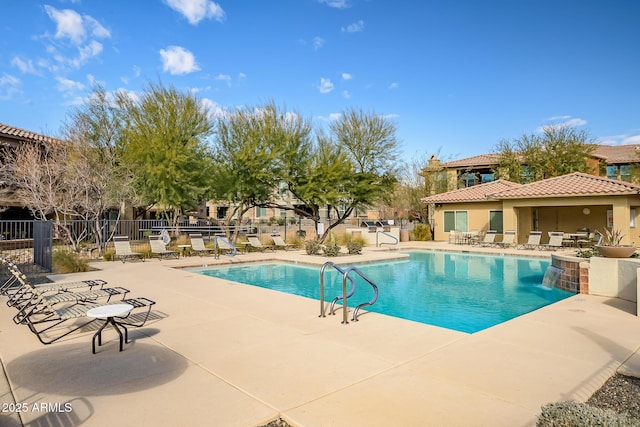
{"x":197,"y":245}
{"x":70,"y":315}
{"x":256,"y":244}
{"x":489,"y":239}
{"x":223,"y":246}
{"x":533,"y":242}
{"x":278,"y":242}
{"x":37,"y":301}
{"x":555,"y":241}
{"x":123,"y":249}
{"x":159,"y":249}
{"x":508,"y":239}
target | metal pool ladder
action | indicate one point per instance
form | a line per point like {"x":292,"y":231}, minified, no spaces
{"x":346,"y":275}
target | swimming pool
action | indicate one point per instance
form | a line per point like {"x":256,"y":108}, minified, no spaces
{"x":464,"y":292}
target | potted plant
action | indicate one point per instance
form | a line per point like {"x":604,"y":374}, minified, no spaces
{"x":611,"y":245}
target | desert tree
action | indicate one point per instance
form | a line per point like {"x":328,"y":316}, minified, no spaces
{"x":165,"y":145}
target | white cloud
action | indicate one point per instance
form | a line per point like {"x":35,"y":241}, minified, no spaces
{"x":223,"y":77}
{"x":317,"y":43}
{"x":346,"y":76}
{"x":178,"y":60}
{"x":8,"y":86}
{"x":215,"y":110}
{"x":562,"y":121}
{"x":346,"y":94}
{"x":356,"y":27}
{"x":325,"y":85}
{"x":23,"y":66}
{"x":393,"y":85}
{"x":66,"y":85}
{"x":68,"y":24}
{"x":87,"y":52}
{"x":197,"y":10}
{"x":242,"y":76}
{"x":338,"y":4}
{"x":622,"y":139}
{"x":137,"y":71}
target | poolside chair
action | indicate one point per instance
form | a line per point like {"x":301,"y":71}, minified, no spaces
{"x":123,"y":249}
{"x":159,"y":249}
{"x":66,"y":320}
{"x":278,"y":242}
{"x":489,"y":239}
{"x":256,"y":244}
{"x":508,"y":239}
{"x":223,"y":246}
{"x":555,"y":241}
{"x":533,"y":242}
{"x":197,"y":245}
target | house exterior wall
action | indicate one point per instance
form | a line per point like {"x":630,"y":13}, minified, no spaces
{"x":477,"y":216}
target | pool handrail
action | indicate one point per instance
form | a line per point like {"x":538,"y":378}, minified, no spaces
{"x":345,"y":276}
{"x":388,"y":235}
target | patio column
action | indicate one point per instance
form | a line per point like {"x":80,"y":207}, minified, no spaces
{"x":510,"y":218}
{"x":622,"y":218}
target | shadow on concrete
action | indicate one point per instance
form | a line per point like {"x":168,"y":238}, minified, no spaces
{"x":73,"y":370}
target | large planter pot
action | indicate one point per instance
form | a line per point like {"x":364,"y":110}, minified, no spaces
{"x":616,"y":251}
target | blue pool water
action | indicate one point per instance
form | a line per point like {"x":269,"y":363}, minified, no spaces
{"x":464,"y":292}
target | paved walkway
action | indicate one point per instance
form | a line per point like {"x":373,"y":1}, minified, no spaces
{"x":218,"y":353}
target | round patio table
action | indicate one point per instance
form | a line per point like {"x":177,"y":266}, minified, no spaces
{"x":110,"y":312}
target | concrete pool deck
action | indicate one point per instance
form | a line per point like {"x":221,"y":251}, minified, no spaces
{"x":217,"y":353}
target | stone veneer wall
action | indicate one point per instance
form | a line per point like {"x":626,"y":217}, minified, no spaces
{"x":575,"y":274}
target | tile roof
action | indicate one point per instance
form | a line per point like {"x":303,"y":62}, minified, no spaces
{"x":479,"y":160}
{"x":613,"y":154}
{"x":570,"y":185}
{"x":14,"y":133}
{"x":477,"y":193}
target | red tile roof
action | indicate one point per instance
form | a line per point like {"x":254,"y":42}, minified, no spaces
{"x":477,"y":193}
{"x":474,"y":161}
{"x":571,"y":185}
{"x":14,"y":133}
{"x":612,"y":154}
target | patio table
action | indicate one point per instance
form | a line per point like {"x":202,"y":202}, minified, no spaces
{"x":110,"y":312}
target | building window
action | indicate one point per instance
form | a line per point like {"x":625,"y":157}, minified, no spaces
{"x":527,"y":175}
{"x":495,"y":221}
{"x":261,"y":212}
{"x":487,"y":177}
{"x":612,"y":171}
{"x":625,"y":173}
{"x":221,"y":212}
{"x":455,"y":220}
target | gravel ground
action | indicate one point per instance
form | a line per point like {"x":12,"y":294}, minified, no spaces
{"x":620,"y":393}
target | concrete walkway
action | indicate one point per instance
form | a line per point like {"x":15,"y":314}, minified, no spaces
{"x":217,"y":353}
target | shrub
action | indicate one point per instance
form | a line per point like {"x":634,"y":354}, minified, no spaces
{"x":68,"y":262}
{"x":109,"y":255}
{"x":422,"y":232}
{"x":331,"y":249}
{"x":354,"y":247}
{"x":581,"y":414}
{"x":312,"y":247}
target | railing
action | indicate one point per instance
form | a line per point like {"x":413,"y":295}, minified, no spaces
{"x":395,"y":239}
{"x":345,"y":276}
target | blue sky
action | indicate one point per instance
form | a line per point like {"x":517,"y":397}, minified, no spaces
{"x":455,"y":76}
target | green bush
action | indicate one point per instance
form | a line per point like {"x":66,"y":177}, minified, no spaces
{"x":354,"y":247}
{"x":569,"y":414}
{"x":312,"y":247}
{"x":68,"y":262}
{"x":422,"y":232}
{"x":331,"y":249}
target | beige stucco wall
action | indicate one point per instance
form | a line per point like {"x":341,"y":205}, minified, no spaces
{"x":477,"y":216}
{"x":614,"y":277}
